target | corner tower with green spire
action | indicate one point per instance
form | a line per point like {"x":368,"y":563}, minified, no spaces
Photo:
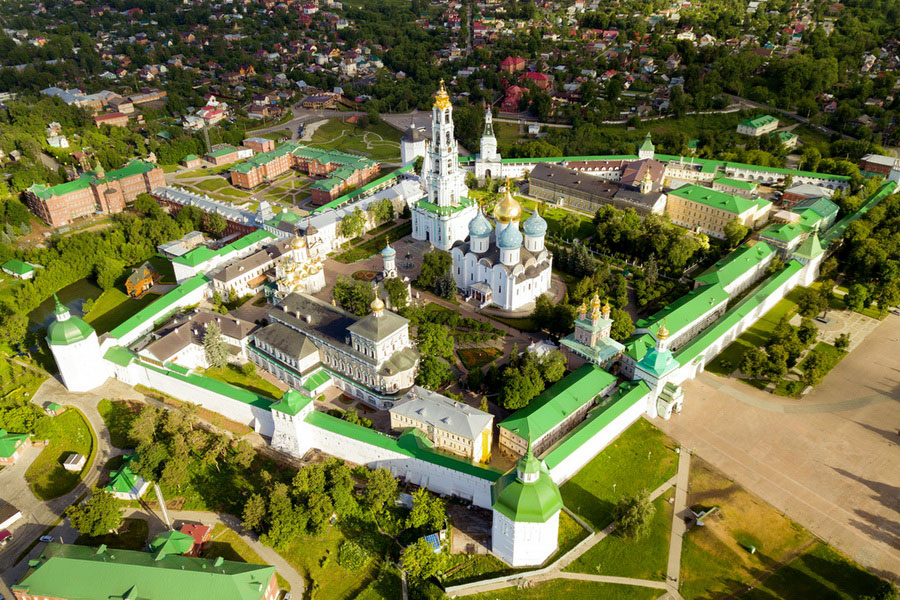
{"x":76,"y":350}
{"x":526,"y":505}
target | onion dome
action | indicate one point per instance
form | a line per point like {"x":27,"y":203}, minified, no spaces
{"x":535,"y":225}
{"x":377,"y":305}
{"x":66,"y":329}
{"x":480,"y":226}
{"x":508,"y":210}
{"x":388,"y":252}
{"x":298,"y":242}
{"x":441,"y":98}
{"x":595,"y":302}
{"x":662,"y":333}
{"x":510,"y":238}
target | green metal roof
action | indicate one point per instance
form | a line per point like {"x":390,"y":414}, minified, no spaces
{"x":214,"y":385}
{"x":317,"y":379}
{"x":190,"y":157}
{"x":784,"y":232}
{"x":17,"y":266}
{"x":530,"y":502}
{"x":201,"y":254}
{"x":425,"y":205}
{"x":647,"y":144}
{"x":824,"y":207}
{"x":292,"y":402}
{"x":10,"y":442}
{"x":69,"y":330}
{"x":730,"y":268}
{"x":759,"y":121}
{"x":86,"y":573}
{"x":636,"y":347}
{"x":685,"y":310}
{"x":222,"y":152}
{"x":119,"y":355}
{"x":157,"y":307}
{"x":124,"y":479}
{"x":170,"y":542}
{"x":610,"y":409}
{"x":555,"y":404}
{"x":658,"y":362}
{"x":714,"y":199}
{"x":810,"y":248}
{"x":783,"y":136}
{"x":134,"y":167}
{"x":407,"y":444}
{"x":744,"y":185}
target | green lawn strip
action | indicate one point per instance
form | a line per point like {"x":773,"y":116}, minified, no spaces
{"x":254,"y":382}
{"x":641,"y":458}
{"x":113,"y":307}
{"x":831,"y":356}
{"x":756,"y":336}
{"x":212,"y":185}
{"x":645,"y":558}
{"x":334,"y":134}
{"x":132,"y":535}
{"x":68,"y":432}
{"x":374,"y":245}
{"x":571,"y":590}
{"x":226,"y":543}
{"x":276,"y":135}
{"x":821,"y":573}
{"x":554,"y":217}
{"x":473,"y":358}
{"x":169,"y":168}
{"x":316,"y":558}
{"x":520,"y":323}
{"x":118,"y":416}
{"x":388,"y":585}
{"x":716,"y":560}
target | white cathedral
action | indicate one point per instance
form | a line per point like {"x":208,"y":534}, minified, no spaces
{"x":507,"y":269}
{"x":443,"y":216}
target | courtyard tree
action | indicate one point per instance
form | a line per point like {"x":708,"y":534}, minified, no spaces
{"x":381,"y":489}
{"x":352,"y":224}
{"x":633,"y":514}
{"x":383,"y":211}
{"x":435,"y":264}
{"x":216,"y":224}
{"x":811,"y":302}
{"x":420,"y":561}
{"x":214,"y":347}
{"x":254,"y":512}
{"x":99,"y":515}
{"x":354,"y":296}
{"x":842,"y":342}
{"x":622,"y":326}
{"x":857,"y":296}
{"x":735,"y":232}
{"x":143,"y":427}
{"x":429,"y":512}
{"x":433,"y":373}
{"x":398,"y":294}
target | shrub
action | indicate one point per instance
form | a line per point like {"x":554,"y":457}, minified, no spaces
{"x":352,"y":556}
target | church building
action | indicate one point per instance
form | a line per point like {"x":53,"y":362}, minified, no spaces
{"x":443,"y":215}
{"x":507,"y":269}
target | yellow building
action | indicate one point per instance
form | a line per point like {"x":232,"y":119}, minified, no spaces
{"x":449,"y":425}
{"x":708,"y":211}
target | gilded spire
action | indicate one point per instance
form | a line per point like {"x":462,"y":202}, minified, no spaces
{"x":662,"y":333}
{"x":508,"y":210}
{"x":441,"y":98}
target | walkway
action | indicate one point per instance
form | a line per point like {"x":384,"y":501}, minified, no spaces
{"x":679,"y":526}
{"x":828,"y":461}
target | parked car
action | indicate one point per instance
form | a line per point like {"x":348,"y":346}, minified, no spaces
{"x":46,"y":538}
{"x":5,"y":536}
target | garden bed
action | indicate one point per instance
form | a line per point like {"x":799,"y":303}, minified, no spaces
{"x":474,"y":358}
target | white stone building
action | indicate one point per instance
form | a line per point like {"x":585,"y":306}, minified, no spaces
{"x":488,"y":164}
{"x":512,"y":271}
{"x":443,"y":215}
{"x":412,"y":145}
{"x":76,"y":350}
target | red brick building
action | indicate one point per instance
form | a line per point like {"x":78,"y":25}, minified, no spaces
{"x":512,"y":64}
{"x":259,"y":144}
{"x":115,"y":119}
{"x":95,"y":192}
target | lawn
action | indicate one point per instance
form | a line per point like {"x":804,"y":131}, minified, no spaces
{"x":316,"y":559}
{"x":831,"y":356}
{"x":757,"y":336}
{"x":118,"y":416}
{"x":386,"y":587}
{"x":113,"y":307}
{"x":473,"y":358}
{"x":571,"y":590}
{"x":520,"y":323}
{"x":554,"y":217}
{"x":254,"y":383}
{"x":374,"y":245}
{"x":211,"y":185}
{"x":715,"y":560}
{"x":132,"y":535}
{"x":378,"y":141}
{"x":641,"y":458}
{"x":164,"y":267}
{"x":225,"y":542}
{"x":821,"y":573}
{"x":643,"y":559}
{"x":68,"y":432}
{"x":276,"y":135}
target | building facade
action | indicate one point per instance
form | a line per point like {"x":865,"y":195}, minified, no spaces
{"x":443,"y":215}
{"x":76,"y":350}
{"x":488,"y":162}
{"x":758,"y":126}
{"x":507,"y":269}
{"x":95,"y":192}
{"x":709,"y":211}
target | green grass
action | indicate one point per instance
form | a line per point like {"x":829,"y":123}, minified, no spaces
{"x":169,"y":168}
{"x":254,"y":382}
{"x":374,"y":245}
{"x":554,"y":217}
{"x":831,"y":356}
{"x":118,"y":416}
{"x":386,"y":587}
{"x":69,"y":432}
{"x":132,"y":535}
{"x":211,"y":185}
{"x":641,"y":458}
{"x":643,"y":559}
{"x":520,"y":323}
{"x":820,"y":573}
{"x":571,"y":590}
{"x":113,"y":307}
{"x":226,"y":543}
{"x":473,"y":358}
{"x":316,"y":559}
{"x":164,"y":267}
{"x":276,"y":135}
{"x":337,"y":135}
{"x":755,"y":337}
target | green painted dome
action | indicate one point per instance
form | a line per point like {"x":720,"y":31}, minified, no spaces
{"x":532,"y":501}
{"x":66,"y":329}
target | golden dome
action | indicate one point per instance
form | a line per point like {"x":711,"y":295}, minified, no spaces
{"x":441,"y":98}
{"x":582,"y":309}
{"x":662,"y":333}
{"x":595,"y":301}
{"x":377,"y":305}
{"x":298,"y":242}
{"x":606,"y":308}
{"x":508,"y":210}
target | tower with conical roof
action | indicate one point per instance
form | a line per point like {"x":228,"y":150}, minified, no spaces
{"x":655,"y":369}
{"x":442,"y":216}
{"x":647,"y":150}
{"x":487,"y":163}
{"x":76,"y":350}
{"x":526,"y":513}
{"x":412,"y":144}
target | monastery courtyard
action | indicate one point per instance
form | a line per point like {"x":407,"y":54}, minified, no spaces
{"x":828,"y":461}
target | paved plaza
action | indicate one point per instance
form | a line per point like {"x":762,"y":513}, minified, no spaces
{"x":828,"y":461}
